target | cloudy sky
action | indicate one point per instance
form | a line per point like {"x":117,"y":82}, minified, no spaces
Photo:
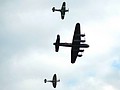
{"x":28,"y":29}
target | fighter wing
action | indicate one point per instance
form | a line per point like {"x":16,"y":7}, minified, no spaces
{"x":62,"y":16}
{"x":67,"y":10}
{"x":64,"y":4}
{"x":75,"y":43}
{"x":54,"y":80}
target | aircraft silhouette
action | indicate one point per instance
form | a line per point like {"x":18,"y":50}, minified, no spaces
{"x":76,"y":44}
{"x":53,"y":81}
{"x":62,"y":10}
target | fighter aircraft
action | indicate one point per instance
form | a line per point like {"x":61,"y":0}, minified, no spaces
{"x":53,"y":81}
{"x":76,"y":44}
{"x":62,"y":10}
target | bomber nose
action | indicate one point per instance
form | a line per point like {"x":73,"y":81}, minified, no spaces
{"x":87,"y":46}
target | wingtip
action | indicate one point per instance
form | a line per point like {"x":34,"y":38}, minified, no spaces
{"x":78,"y":24}
{"x":72,"y":62}
{"x":54,"y":74}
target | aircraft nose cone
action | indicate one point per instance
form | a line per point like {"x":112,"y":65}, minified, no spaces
{"x":87,"y":46}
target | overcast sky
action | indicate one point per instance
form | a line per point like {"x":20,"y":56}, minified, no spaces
{"x":28,"y":29}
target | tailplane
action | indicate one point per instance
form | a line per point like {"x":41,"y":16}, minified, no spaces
{"x":45,"y":80}
{"x":57,"y":43}
{"x":58,"y":80}
{"x":53,"y":9}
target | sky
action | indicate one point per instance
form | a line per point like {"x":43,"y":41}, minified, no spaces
{"x":28,"y":29}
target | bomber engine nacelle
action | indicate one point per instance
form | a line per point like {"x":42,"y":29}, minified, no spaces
{"x":79,"y":41}
{"x":79,"y":55}
{"x":82,"y":35}
{"x":57,"y":43}
{"x":81,"y":50}
{"x":82,"y":41}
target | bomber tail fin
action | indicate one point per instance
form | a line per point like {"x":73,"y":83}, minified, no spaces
{"x":45,"y":80}
{"x":57,"y":43}
{"x":53,"y":9}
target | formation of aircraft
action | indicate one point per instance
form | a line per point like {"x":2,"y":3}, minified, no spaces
{"x":53,"y":81}
{"x":62,"y":10}
{"x":76,"y":44}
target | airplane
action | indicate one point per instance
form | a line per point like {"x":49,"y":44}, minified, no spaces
{"x":62,"y":10}
{"x":76,"y":44}
{"x":53,"y":81}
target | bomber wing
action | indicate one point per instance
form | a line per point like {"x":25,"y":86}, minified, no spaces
{"x":75,"y":43}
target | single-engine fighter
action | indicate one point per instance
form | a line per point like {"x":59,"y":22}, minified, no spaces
{"x":62,"y":10}
{"x":76,"y":44}
{"x":53,"y":81}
